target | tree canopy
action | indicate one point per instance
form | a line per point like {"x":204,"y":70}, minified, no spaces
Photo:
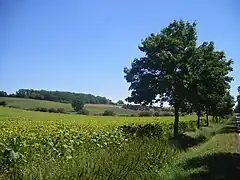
{"x":3,"y":94}
{"x":237,"y":109}
{"x":60,"y":96}
{"x":77,"y":105}
{"x":120,"y":102}
{"x":175,"y":70}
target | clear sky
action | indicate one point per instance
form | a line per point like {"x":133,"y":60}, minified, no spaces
{"x":83,"y":45}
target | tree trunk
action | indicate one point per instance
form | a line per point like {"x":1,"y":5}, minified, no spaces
{"x":207,"y":122}
{"x":176,"y":121}
{"x":198,"y":120}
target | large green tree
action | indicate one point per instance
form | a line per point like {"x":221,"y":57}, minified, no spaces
{"x":163,"y":74}
{"x":120,"y":102}
{"x":224,"y":107}
{"x":237,"y":109}
{"x":3,"y":94}
{"x":77,"y":105}
{"x":175,"y":70}
{"x":209,"y":80}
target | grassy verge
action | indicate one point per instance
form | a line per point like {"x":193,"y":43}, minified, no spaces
{"x":215,"y":159}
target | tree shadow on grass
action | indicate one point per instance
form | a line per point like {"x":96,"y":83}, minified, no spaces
{"x":231,"y":127}
{"x":221,"y":166}
{"x":184,"y":142}
{"x":228,"y":129}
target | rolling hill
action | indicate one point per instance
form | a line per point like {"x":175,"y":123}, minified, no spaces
{"x":23,"y":103}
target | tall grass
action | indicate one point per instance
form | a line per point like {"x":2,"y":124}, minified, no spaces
{"x":139,"y":159}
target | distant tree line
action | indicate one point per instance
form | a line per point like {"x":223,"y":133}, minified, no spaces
{"x":3,"y":94}
{"x":237,"y":109}
{"x":57,"y":96}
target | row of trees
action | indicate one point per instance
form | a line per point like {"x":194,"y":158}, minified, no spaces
{"x":176,"y":70}
{"x":57,"y":96}
{"x":237,"y":109}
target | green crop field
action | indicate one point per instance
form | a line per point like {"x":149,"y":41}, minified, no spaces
{"x":41,"y":145}
{"x":92,"y":108}
{"x":33,"y":103}
{"x":21,"y":118}
{"x":39,"y":142}
{"x":99,"y":108}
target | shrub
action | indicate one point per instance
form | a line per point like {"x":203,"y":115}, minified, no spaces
{"x":124,"y":115}
{"x":44,"y":109}
{"x":12,"y":106}
{"x":157,"y":113}
{"x":145,"y":113}
{"x":109,"y":113}
{"x":183,"y":114}
{"x":133,"y":115}
{"x":165,"y":113}
{"x":40,"y":109}
{"x":83,"y":111}
{"x":61,"y":110}
{"x":143,"y":130}
{"x":3,"y":103}
{"x":52,"y":110}
{"x":78,"y":105}
{"x":97,"y":114}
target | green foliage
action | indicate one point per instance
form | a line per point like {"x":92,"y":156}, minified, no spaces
{"x":52,"y":110}
{"x":3,"y":94}
{"x":13,"y":106}
{"x":156,"y":113}
{"x":59,"y":96}
{"x":42,"y":109}
{"x":143,"y":130}
{"x":109,"y":113}
{"x":3,"y":103}
{"x":120,"y":102}
{"x":33,"y":103}
{"x":61,"y":110}
{"x":237,"y":108}
{"x":145,"y":113}
{"x":223,"y":107}
{"x":12,"y":152}
{"x":50,"y":146}
{"x":77,"y":105}
{"x":84,"y":111}
{"x":206,"y":91}
{"x":176,"y":71}
{"x":162,"y":75}
{"x":135,"y":107}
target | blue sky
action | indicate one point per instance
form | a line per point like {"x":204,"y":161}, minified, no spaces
{"x":83,"y":46}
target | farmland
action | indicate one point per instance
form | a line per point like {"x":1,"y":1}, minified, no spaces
{"x":73,"y":144}
{"x":21,"y":118}
{"x":24,"y":103}
{"x":33,"y":103}
{"x":39,"y":145}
